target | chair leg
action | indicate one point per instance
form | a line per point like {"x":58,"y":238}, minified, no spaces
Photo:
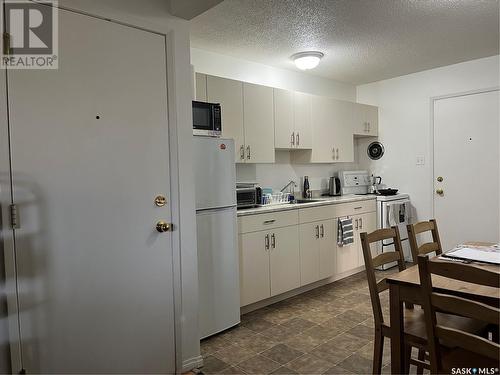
{"x":378,"y":349}
{"x":407,"y":351}
{"x":421,"y":357}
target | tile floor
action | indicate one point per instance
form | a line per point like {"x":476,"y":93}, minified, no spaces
{"x":328,"y":330}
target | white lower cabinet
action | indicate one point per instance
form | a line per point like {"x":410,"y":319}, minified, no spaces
{"x":347,"y":257}
{"x":284,"y":260}
{"x":269,"y":263}
{"x":284,"y":250}
{"x":364,"y":223}
{"x":255,"y":284}
{"x":351,"y":256}
{"x":317,"y":251}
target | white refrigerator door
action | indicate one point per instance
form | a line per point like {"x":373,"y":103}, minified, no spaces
{"x":215,"y":172}
{"x":218,"y":270}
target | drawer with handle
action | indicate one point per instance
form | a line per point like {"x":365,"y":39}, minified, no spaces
{"x":355,"y":208}
{"x":258,"y":222}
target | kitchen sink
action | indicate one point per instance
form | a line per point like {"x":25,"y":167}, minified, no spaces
{"x":301,"y":201}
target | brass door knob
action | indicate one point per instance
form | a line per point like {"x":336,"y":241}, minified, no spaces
{"x":162,"y":226}
{"x":440,"y":191}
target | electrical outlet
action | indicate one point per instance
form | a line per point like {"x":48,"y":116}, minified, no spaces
{"x":420,"y":160}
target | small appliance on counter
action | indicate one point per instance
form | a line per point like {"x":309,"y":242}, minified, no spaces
{"x":334,"y":187}
{"x":248,"y":195}
{"x":375,"y":182}
{"x":207,"y":119}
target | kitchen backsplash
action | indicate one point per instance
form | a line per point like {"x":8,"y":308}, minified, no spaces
{"x":277,"y":175}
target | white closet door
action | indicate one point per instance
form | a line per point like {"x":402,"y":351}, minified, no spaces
{"x":466,"y":156}
{"x":89,"y":155}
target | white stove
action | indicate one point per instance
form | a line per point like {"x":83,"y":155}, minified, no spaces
{"x":392,"y":210}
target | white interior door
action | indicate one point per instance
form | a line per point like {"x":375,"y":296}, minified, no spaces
{"x":466,"y":156}
{"x":89,"y":155}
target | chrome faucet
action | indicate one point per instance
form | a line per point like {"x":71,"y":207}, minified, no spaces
{"x":292,"y":182}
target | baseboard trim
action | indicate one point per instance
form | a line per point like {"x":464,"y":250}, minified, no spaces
{"x":192,"y":363}
{"x":295,"y":292}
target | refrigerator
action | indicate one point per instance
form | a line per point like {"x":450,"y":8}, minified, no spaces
{"x":218,"y":256}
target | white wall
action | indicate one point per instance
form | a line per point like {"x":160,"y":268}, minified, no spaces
{"x":405,"y":123}
{"x":153,"y":15}
{"x":279,"y":174}
{"x":247,"y":71}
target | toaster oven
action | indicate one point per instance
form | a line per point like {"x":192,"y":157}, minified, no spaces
{"x":248,"y":197}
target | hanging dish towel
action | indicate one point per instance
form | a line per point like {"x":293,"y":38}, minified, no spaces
{"x":344,"y":235}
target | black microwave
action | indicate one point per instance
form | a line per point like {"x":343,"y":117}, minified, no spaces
{"x":207,"y":119}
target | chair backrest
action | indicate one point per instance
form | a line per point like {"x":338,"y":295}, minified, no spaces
{"x":426,"y":248}
{"x":371,"y":262}
{"x":454,"y":305}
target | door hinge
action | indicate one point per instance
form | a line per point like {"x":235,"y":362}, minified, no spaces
{"x":14,"y":216}
{"x":6,"y":43}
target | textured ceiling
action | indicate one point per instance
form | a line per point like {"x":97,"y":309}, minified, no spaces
{"x":363,"y":40}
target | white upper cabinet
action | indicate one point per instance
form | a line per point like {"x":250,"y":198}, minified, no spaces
{"x":342,"y":142}
{"x":261,"y":119}
{"x":365,"y":118}
{"x":201,"y":87}
{"x":332,"y":134}
{"x":292,"y":120}
{"x":284,"y":128}
{"x":258,"y":120}
{"x":302,"y":106}
{"x":229,"y":94}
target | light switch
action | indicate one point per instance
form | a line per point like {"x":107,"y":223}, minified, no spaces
{"x":420,"y":160}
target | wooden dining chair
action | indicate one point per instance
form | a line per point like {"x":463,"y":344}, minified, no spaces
{"x":468,"y":350}
{"x":428,"y":247}
{"x":414,"y":320}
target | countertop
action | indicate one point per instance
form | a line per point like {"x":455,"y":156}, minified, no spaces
{"x":320,"y":201}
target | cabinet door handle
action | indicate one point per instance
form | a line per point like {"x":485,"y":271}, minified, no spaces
{"x":361,"y":223}
{"x":248,"y":152}
{"x":357,"y":224}
{"x":368,"y":126}
{"x":293,"y":139}
{"x":322,"y":231}
{"x":242,"y":152}
{"x":337,"y":154}
{"x":266,"y":242}
{"x":333,"y":151}
{"x":273,"y":241}
{"x":267,"y":222}
{"x":298,"y":139}
{"x":317,"y":231}
{"x":358,"y":208}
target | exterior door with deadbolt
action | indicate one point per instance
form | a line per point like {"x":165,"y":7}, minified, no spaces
{"x":466,"y":168}
{"x":91,"y":181}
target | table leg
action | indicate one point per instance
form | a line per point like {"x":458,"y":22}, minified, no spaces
{"x":397,"y":330}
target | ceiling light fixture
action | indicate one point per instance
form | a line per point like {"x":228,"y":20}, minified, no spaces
{"x":307,"y":60}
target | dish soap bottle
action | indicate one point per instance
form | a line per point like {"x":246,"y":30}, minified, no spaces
{"x":305,"y":190}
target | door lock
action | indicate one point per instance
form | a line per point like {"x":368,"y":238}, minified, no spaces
{"x":163,"y":226}
{"x":439,"y":191}
{"x":160,"y":200}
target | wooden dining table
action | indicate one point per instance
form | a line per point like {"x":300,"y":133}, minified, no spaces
{"x":405,"y":287}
